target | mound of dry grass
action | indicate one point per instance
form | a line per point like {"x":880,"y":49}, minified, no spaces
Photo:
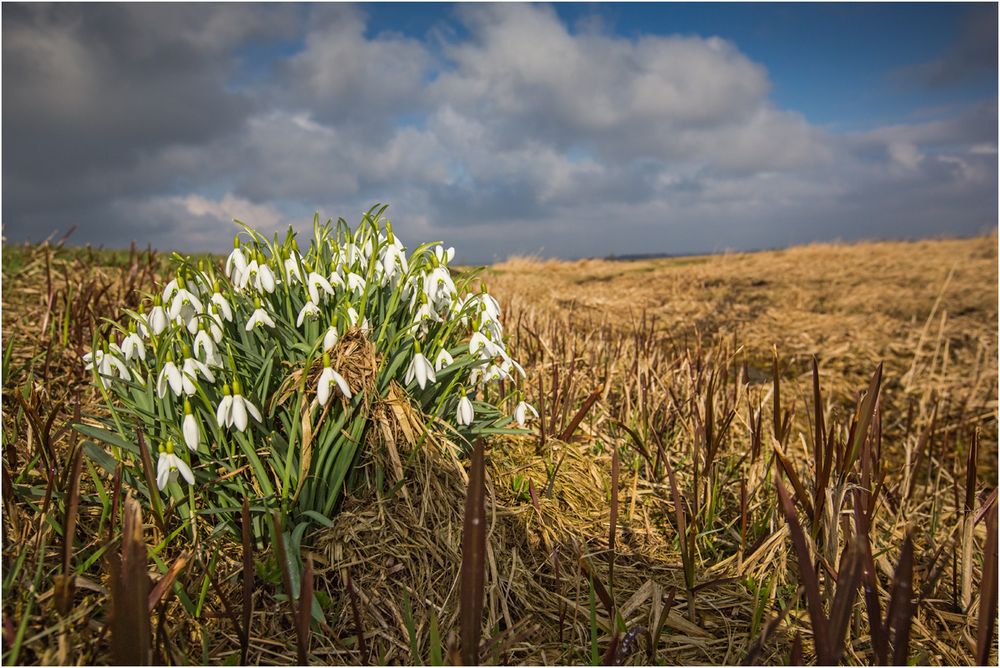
{"x":640,"y":522}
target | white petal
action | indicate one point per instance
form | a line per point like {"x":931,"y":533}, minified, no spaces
{"x":162,"y":470}
{"x":420,"y":370}
{"x":161,"y":382}
{"x":206,"y":373}
{"x":184,"y":469}
{"x":190,"y":429}
{"x":123,"y":372}
{"x":342,"y":384}
{"x":444,"y":359}
{"x":252,"y":409}
{"x":267,"y":278}
{"x":239,"y":413}
{"x":323,"y":386}
{"x":175,"y":378}
{"x":330,"y":338}
{"x":223,"y":414}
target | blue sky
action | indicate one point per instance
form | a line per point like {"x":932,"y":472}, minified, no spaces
{"x":567,"y":130}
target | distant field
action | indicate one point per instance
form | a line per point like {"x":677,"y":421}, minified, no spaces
{"x":691,"y":378}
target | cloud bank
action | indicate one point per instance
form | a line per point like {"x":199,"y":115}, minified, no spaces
{"x":513,"y":134}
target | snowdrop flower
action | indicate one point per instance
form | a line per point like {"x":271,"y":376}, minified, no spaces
{"x":169,"y":465}
{"x":157,"y":317}
{"x":491,"y":305}
{"x":465,"y":413}
{"x":215,"y":323}
{"x":522,"y":413}
{"x":335,"y":279}
{"x":240,"y":407}
{"x":393,"y":259}
{"x":107,"y":363}
{"x":292,"y":267}
{"x":169,"y":289}
{"x":353,"y":318}
{"x":184,"y":304}
{"x":171,"y":375}
{"x":259,"y":317}
{"x":264,"y":281}
{"x":439,"y":287}
{"x":308,"y":310}
{"x":355,"y":283}
{"x":313,"y":283}
{"x":204,"y":343}
{"x":327,"y":380}
{"x":424,"y":316}
{"x":224,"y":411}
{"x":443,"y":359}
{"x":258,"y":275}
{"x":420,"y":368}
{"x":482,"y":346}
{"x":132,"y":345}
{"x":330,"y":338}
{"x":443,"y":256}
{"x":222,"y":303}
{"x":192,"y":435}
{"x":353,"y":254}
{"x":190,"y":371}
{"x":233,"y":408}
{"x":236,"y":263}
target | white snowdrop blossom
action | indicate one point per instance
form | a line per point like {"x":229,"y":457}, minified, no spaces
{"x":170,"y":376}
{"x":240,"y":408}
{"x":292,"y":268}
{"x":330,"y":338}
{"x":421,"y":369}
{"x":355,"y":283}
{"x":205,"y":345}
{"x":443,"y":256}
{"x":523,"y":412}
{"x":308,"y":310}
{"x":107,"y":362}
{"x":314,"y":283}
{"x":190,"y":370}
{"x":258,"y":276}
{"x":169,"y":465}
{"x":327,"y":379}
{"x":184,"y":304}
{"x":482,"y":346}
{"x":236,"y":263}
{"x":157,"y":318}
{"x":220,"y":301}
{"x":192,"y":435}
{"x":260,"y":317}
{"x":465,"y":413}
{"x":443,"y":359}
{"x":132,"y":346}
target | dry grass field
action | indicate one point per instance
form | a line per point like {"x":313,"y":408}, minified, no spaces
{"x":774,"y":457}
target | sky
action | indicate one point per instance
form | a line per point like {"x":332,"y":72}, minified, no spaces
{"x":565,"y":130}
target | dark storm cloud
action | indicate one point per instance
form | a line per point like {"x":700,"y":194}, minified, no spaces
{"x":107,"y":101}
{"x":973,"y":53}
{"x":516,"y":134}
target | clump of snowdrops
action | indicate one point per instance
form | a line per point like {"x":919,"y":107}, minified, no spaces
{"x":263,"y":378}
